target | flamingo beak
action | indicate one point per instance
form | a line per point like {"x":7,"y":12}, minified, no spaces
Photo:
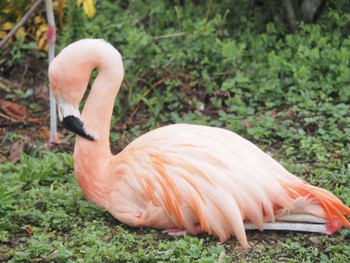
{"x":70,"y":119}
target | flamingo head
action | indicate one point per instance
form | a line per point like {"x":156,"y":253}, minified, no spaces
{"x":70,"y":119}
{"x":68,"y":84}
{"x":69,"y":75}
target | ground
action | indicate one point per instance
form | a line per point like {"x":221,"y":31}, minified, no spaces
{"x":24,"y":118}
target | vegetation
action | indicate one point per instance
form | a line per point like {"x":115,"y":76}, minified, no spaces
{"x":195,"y":62}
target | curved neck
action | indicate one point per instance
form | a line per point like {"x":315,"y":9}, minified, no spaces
{"x":98,"y":109}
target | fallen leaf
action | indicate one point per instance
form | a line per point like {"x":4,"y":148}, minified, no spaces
{"x":14,"y":110}
{"x":29,"y":229}
{"x":107,"y":238}
{"x":15,"y":151}
{"x":44,"y":134}
{"x":336,"y":155}
{"x":315,"y":240}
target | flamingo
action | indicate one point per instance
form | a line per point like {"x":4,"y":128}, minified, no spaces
{"x":180,"y":177}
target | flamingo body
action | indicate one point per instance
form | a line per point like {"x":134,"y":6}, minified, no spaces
{"x":181,"y":176}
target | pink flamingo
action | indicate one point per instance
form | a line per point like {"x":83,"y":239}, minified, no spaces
{"x":180,"y":177}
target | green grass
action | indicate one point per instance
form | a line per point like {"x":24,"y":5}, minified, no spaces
{"x":44,"y":217}
{"x":288,"y":93}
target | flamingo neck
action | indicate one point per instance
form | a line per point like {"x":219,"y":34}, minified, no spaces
{"x":97,"y":115}
{"x":97,"y":112}
{"x":91,"y":158}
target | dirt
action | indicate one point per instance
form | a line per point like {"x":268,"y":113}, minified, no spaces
{"x":24,"y":110}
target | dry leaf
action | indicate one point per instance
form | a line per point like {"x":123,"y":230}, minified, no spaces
{"x":315,"y":240}
{"x":44,"y":134}
{"x":14,"y":110}
{"x":29,"y":229}
{"x":107,"y":238}
{"x":336,"y":155}
{"x":15,"y":151}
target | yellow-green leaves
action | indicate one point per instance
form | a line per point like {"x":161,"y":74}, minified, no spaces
{"x":88,"y":7}
{"x":35,"y":28}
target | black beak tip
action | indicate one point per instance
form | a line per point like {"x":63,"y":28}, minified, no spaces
{"x":75,"y":125}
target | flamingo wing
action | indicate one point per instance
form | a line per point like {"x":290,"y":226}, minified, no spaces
{"x":184,"y":175}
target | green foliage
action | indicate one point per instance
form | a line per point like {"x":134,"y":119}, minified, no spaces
{"x":217,"y":68}
{"x":75,"y":18}
{"x":43,"y":216}
{"x":48,"y":219}
{"x":45,"y":170}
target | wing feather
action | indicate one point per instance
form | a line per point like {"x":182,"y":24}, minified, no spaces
{"x":190,"y":175}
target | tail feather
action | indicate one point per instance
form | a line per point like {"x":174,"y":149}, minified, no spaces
{"x":332,"y":207}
